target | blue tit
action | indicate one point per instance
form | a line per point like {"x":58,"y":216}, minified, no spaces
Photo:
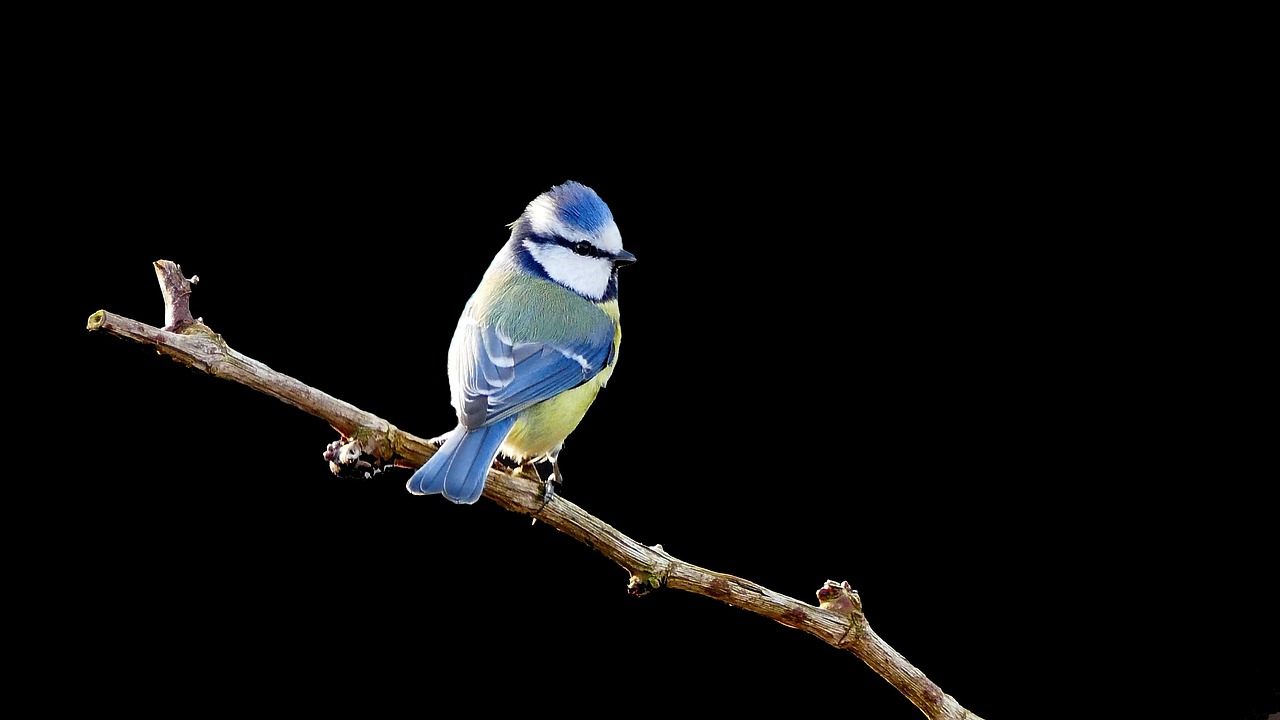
{"x":535,"y":343}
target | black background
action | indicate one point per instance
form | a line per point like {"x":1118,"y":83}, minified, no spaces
{"x":901,"y":343}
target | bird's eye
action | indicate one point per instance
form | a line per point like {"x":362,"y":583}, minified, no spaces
{"x":582,"y":247}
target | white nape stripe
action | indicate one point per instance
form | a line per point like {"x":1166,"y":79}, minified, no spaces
{"x":587,"y":276}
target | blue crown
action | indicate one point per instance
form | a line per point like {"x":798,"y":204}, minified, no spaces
{"x":578,"y":205}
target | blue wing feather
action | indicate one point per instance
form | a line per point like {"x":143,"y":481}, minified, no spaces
{"x":500,"y":378}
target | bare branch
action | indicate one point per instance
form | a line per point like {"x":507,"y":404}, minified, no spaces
{"x":177,"y":295}
{"x":369,"y":443}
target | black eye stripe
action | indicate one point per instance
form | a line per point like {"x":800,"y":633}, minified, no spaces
{"x":586,"y":249}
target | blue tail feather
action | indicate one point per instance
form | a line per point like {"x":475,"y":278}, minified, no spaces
{"x":459,"y":467}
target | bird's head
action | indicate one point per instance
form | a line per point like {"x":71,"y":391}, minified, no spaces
{"x":567,"y":235}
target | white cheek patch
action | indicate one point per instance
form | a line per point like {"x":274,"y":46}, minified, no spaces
{"x":587,"y":276}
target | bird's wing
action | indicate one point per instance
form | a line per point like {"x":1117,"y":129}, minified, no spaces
{"x":495,"y":377}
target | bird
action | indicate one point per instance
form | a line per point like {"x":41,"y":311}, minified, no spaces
{"x":535,"y":343}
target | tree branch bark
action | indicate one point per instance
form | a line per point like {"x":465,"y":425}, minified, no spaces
{"x":368,"y":443}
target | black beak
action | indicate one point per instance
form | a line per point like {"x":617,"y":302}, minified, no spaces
{"x":623,"y":258}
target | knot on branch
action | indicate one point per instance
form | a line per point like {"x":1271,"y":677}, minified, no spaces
{"x":349,"y":459}
{"x":842,"y":598}
{"x":839,"y":597}
{"x":642,"y":582}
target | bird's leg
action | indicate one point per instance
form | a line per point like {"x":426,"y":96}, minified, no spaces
{"x":548,"y":491}
{"x":548,"y":485}
{"x":555,"y":478}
